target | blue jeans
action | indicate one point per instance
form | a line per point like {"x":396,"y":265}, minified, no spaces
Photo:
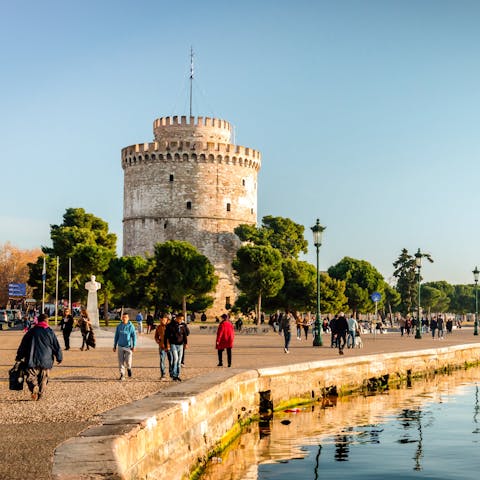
{"x":351,"y":339}
{"x":288,"y":336}
{"x":176,"y":352}
{"x":163,"y":356}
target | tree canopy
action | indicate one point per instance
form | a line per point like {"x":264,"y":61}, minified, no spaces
{"x":258,"y":269}
{"x":85,"y":239}
{"x":361,"y":279}
{"x":180,"y":274}
{"x":278,"y":232}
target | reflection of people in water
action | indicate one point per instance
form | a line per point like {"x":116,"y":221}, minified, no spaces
{"x":341,"y":448}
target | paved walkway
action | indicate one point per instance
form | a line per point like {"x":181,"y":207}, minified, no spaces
{"x":86,"y":384}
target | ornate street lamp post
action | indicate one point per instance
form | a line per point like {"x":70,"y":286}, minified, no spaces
{"x":475,"y":277}
{"x":317,"y":230}
{"x":418,"y":263}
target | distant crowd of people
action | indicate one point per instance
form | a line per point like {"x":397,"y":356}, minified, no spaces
{"x":39,"y":346}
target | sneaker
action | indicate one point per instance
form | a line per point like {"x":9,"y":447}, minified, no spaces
{"x":220,"y":365}
{"x":286,"y":350}
{"x":122,"y":377}
{"x":129,"y":372}
{"x":35,"y":394}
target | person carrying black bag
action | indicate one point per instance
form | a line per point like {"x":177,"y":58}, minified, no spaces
{"x":38,"y":348}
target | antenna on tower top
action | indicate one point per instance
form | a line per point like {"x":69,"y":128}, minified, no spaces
{"x":191,"y":78}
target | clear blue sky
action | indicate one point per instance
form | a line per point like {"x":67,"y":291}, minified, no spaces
{"x":366,"y":113}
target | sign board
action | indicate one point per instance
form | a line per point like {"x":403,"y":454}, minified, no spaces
{"x":17,"y":290}
{"x":376,"y":297}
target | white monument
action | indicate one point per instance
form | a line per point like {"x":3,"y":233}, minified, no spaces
{"x":92,"y":305}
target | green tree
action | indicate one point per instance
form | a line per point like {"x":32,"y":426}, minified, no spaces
{"x":407,"y":279}
{"x":180,"y":274}
{"x":405,"y":273}
{"x":392,"y":300}
{"x":332,"y":295}
{"x":126,"y":279}
{"x":434,"y":299}
{"x":258,"y":269}
{"x":278,"y":232}
{"x":299,"y":288}
{"x":463,"y":299}
{"x":361,"y":279}
{"x":85,"y":239}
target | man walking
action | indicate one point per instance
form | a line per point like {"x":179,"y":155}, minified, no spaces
{"x":163,"y":345}
{"x":176,"y":335}
{"x":38,"y":348}
{"x":352,"y":330}
{"x":139,"y":320}
{"x":342,"y":329}
{"x":126,"y":339}
{"x":285,"y":326}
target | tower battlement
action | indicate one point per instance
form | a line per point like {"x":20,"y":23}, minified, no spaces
{"x":192,"y":128}
{"x":191,"y":151}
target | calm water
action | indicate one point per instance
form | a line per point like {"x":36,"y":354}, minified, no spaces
{"x":428,"y":431}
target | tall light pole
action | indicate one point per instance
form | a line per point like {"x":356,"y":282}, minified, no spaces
{"x":475,"y":277}
{"x":317,"y":230}
{"x":418,"y":263}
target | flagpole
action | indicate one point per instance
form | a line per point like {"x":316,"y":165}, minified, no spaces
{"x":70,"y":284}
{"x":44,"y":276}
{"x":56,"y":292}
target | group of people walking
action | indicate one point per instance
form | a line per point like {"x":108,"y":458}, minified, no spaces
{"x":344,"y":332}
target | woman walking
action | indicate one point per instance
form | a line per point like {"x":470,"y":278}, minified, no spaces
{"x":85,"y":329}
{"x":225,"y":336}
{"x":66,"y":325}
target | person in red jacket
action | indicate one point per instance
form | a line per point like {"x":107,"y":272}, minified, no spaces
{"x":225,"y":336}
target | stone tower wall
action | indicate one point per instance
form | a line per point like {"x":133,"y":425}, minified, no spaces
{"x":188,"y":185}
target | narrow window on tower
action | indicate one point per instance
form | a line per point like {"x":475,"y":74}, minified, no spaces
{"x":228,"y":207}
{"x":189,"y":205}
{"x":171,"y":177}
{"x":243,"y":181}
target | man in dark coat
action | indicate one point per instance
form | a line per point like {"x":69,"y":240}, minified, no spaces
{"x":342,"y":329}
{"x":38,"y":348}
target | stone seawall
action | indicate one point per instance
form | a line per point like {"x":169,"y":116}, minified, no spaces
{"x":169,"y":433}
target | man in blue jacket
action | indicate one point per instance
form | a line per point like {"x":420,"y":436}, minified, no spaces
{"x":38,"y":348}
{"x":126,"y":339}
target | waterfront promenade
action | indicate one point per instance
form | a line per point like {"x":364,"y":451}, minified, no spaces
{"x":86,"y":384}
